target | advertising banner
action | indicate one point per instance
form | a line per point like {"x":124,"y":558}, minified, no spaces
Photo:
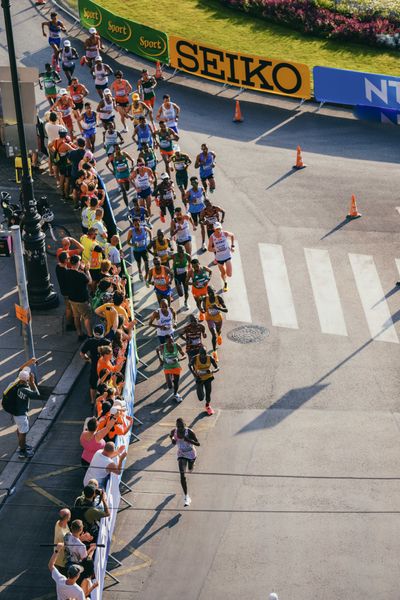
{"x":378,"y":115}
{"x":242,"y":70}
{"x":138,"y":39}
{"x":354,"y":87}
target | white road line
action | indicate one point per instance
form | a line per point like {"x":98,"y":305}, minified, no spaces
{"x":371,"y":293}
{"x":283,"y":313}
{"x":326,"y":295}
{"x":398,"y":209}
{"x":397,"y":260}
{"x":236,"y":298}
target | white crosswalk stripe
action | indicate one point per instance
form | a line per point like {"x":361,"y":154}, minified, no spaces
{"x":371,"y":293}
{"x":280,"y":299}
{"x":236,"y":298}
{"x":325,"y":291}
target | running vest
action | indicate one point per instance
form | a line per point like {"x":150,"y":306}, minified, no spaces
{"x":120,"y":88}
{"x":76,"y":93}
{"x":221,"y":246}
{"x":150,"y":159}
{"x":139,"y":215}
{"x":107,"y":112}
{"x":196,"y":200}
{"x":182,"y":231}
{"x":92,"y":50}
{"x":100,"y":76}
{"x":139,"y":239}
{"x":50,"y":88}
{"x":180,"y":163}
{"x":184,"y":449}
{"x":180,"y":263}
{"x":65,"y":110}
{"x":170,"y":358}
{"x":110,"y":139}
{"x":166,"y":193}
{"x":161,"y":249}
{"x":66,"y":58}
{"x":193,"y":338}
{"x":121,"y":167}
{"x":144,"y":135}
{"x":148,"y":87}
{"x":165,"y":142}
{"x":161,"y":280}
{"x":212,"y":313}
{"x":206,"y":169}
{"x":137,"y":112}
{"x":202,"y":368}
{"x":200,"y":278}
{"x":89,"y":123}
{"x":142,"y":181}
{"x":165,"y":321}
{"x":55,"y":30}
{"x":169,"y":115}
{"x":211,"y":219}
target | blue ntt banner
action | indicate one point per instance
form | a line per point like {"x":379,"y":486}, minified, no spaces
{"x":378,"y":115}
{"x":356,"y":88}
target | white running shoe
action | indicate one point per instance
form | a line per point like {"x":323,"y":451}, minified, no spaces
{"x":188,"y":500}
{"x":178,"y":399}
{"x":124,"y":130}
{"x":203,"y":247}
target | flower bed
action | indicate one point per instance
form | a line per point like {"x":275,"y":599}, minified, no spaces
{"x":310,"y":18}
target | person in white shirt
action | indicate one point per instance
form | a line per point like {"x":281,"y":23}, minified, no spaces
{"x":101,"y":237}
{"x":102,"y":464}
{"x":67,"y":587}
{"x":112,"y":251}
{"x":52,"y":129}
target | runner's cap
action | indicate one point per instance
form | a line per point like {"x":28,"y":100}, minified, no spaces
{"x":62,"y":92}
{"x":98,"y":59}
{"x":164,"y":176}
{"x":107,"y":91}
{"x":135,"y":96}
{"x":67,"y":43}
{"x":217,"y":226}
{"x":92,"y":30}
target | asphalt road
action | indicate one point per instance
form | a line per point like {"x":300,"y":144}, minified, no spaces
{"x":287,"y":494}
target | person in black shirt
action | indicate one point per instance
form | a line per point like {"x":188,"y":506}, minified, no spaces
{"x":89,"y":352}
{"x":75,"y":157}
{"x":62,"y":276}
{"x":77,"y":280}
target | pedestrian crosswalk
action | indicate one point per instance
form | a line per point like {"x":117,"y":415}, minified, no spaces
{"x":363,"y":297}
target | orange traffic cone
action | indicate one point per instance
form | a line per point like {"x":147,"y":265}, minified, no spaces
{"x":353,"y":214}
{"x":159,"y":74}
{"x":237,"y":118}
{"x":299,"y":160}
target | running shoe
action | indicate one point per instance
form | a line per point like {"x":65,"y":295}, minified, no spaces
{"x":162,"y":218}
{"x":188,"y":500}
{"x":178,"y":399}
{"x":185,"y":306}
{"x":124,"y":130}
{"x":202,"y":316}
{"x":203,"y":247}
{"x":219,"y":340}
{"x":225,"y":286}
{"x":209,"y":410}
{"x":25,"y":453}
{"x":140,"y":277}
{"x":214,"y":355}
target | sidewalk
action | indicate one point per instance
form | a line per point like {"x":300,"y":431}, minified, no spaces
{"x":50,"y":339}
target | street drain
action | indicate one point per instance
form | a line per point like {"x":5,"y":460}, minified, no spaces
{"x":248,"y":334}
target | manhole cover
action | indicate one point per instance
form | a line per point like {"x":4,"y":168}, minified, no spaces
{"x":248,"y":334}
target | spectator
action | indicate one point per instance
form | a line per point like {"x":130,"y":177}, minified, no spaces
{"x":62,"y":277}
{"x":76,"y":554}
{"x":105,"y":361}
{"x":117,"y":301}
{"x":89,"y":507}
{"x":98,"y":224}
{"x":60,"y":531}
{"x":59,"y":149}
{"x":66,"y":244}
{"x":75,"y":157}
{"x":112,"y":251}
{"x":16,"y":399}
{"x":120,"y":420}
{"x":109,"y":313}
{"x":92,"y":440}
{"x":102,"y":464}
{"x":52,"y":129}
{"x":78,"y":279}
{"x":88,"y":214}
{"x":90,"y":353}
{"x":67,"y":587}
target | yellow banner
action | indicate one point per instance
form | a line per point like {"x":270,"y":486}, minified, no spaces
{"x":243,"y":70}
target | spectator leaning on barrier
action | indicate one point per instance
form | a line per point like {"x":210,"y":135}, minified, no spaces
{"x":16,"y":398}
{"x":66,"y":246}
{"x":77,"y":281}
{"x":90,"y":353}
{"x":90,"y":512}
{"x":92,"y":440}
{"x":76,"y":553}
{"x":102,"y":464}
{"x":61,"y":274}
{"x":61,"y":529}
{"x":112,"y":250}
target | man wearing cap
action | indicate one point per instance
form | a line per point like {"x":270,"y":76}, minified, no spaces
{"x":146,"y":85}
{"x":59,"y":151}
{"x":100,"y":73}
{"x":139,"y":109}
{"x":89,"y":353}
{"x":67,"y":587}
{"x":65,"y":105}
{"x":166,"y":194}
{"x":92,"y":46}
{"x":68,"y":57}
{"x":221,"y":246}
{"x":106,"y":108}
{"x":16,"y":399}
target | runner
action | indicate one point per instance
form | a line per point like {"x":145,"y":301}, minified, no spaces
{"x":92,"y":46}
{"x":193,"y":334}
{"x":78,"y":92}
{"x":100,"y":73}
{"x":49,"y":79}
{"x":142,"y":178}
{"x":111,"y":138}
{"x":194,"y":202}
{"x":68,"y":57}
{"x":166,"y":194}
{"x":199,"y":277}
{"x":139,"y":109}
{"x":181,"y":163}
{"x":140,"y":212}
{"x":181,"y":231}
{"x":184,"y":439}
{"x":180,"y":264}
{"x":168,"y":354}
{"x":161,"y":276}
{"x":106,"y":108}
{"x":219,"y":244}
{"x":64,"y":105}
{"x":146,"y":86}
{"x":121,"y":88}
{"x":143,"y":134}
{"x":169,"y":112}
{"x":210,"y":215}
{"x":161,"y":247}
{"x":150,"y":160}
{"x":117,"y":164}
{"x":166,"y":137}
{"x":204,"y":377}
{"x":88,"y":122}
{"x":213,"y":306}
{"x":139,"y":237}
{"x":59,"y":149}
{"x":165,"y":318}
{"x":205,"y":161}
{"x":55,"y":27}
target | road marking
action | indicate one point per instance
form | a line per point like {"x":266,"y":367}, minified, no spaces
{"x":398,"y":209}
{"x":326,"y":295}
{"x":146,"y":562}
{"x":371,"y":293}
{"x":397,"y":261}
{"x":236,"y":298}
{"x":37,"y":488}
{"x":280,"y":299}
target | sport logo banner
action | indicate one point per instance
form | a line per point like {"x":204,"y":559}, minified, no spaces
{"x":242,"y":70}
{"x":139,"y":39}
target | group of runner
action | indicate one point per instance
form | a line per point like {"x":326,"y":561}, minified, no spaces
{"x":143,"y":188}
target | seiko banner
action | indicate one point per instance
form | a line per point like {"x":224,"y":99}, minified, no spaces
{"x":356,"y":88}
{"x":242,"y":70}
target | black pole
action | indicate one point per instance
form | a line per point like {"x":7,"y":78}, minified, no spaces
{"x":40,"y":290}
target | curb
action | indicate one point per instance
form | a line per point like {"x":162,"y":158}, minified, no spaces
{"x":13,"y":471}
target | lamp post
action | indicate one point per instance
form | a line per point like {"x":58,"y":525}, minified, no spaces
{"x":40,"y":290}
